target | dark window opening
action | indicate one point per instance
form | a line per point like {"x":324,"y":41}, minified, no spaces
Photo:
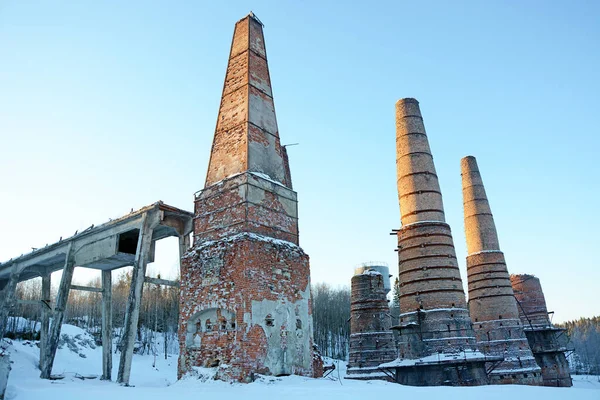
{"x":209,"y":326}
{"x":269,"y":320}
{"x":298,"y":323}
{"x":128,"y":241}
{"x":223,"y":324}
{"x":233,"y":325}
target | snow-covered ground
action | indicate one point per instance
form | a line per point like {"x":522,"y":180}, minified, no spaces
{"x":160,"y":382}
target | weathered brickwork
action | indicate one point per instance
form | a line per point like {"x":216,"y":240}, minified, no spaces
{"x":492,"y":304}
{"x":435,"y":326}
{"x":371,"y":340}
{"x":547,"y":343}
{"x":245,"y":284}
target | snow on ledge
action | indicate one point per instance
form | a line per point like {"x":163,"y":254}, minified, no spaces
{"x":469,"y":355}
{"x":485,"y":252}
{"x":268,"y":178}
{"x":247,"y":235}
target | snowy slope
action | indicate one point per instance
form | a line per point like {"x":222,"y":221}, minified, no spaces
{"x":160,"y":382}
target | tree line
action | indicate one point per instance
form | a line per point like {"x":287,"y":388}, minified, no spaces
{"x":585,"y":341}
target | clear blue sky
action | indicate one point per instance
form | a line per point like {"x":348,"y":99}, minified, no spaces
{"x":110,"y":105}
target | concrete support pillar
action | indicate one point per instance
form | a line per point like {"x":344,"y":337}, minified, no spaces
{"x":59,"y":312}
{"x":107,"y":325}
{"x":184,"y":245}
{"x":8,"y":299}
{"x":46,"y":309}
{"x":134,"y":301}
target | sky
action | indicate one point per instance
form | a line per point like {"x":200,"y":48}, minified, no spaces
{"x":107,"y":106}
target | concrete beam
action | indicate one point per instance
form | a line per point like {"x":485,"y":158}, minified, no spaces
{"x":149,"y":222}
{"x":157,"y":281}
{"x":59,"y":313}
{"x":106,"y":325}
{"x":30,"y":302}
{"x":87,"y":288}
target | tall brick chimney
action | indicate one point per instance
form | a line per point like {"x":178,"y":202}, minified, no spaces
{"x":245,"y":285}
{"x":435,"y":328}
{"x":492,"y":303}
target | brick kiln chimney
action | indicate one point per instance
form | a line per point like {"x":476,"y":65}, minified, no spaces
{"x":435,"y":328}
{"x":371,"y":340}
{"x":492,"y":303}
{"x":246,"y":137}
{"x":245,"y":285}
{"x":547,"y":342}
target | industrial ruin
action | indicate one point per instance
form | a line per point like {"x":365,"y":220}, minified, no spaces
{"x":245,"y":284}
{"x":492,"y":303}
{"x":126,"y":241}
{"x":245,"y":295}
{"x":437,"y":343}
{"x":547,"y":342}
{"x":371,"y":340}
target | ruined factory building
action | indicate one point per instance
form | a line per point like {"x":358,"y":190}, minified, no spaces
{"x":437,"y":344}
{"x":371,"y":340}
{"x":547,"y":342}
{"x":492,"y":303}
{"x":245,"y":285}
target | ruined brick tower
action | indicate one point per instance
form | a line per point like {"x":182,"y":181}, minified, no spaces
{"x":245,"y":284}
{"x":436,"y":340}
{"x":547,"y":342}
{"x":371,"y":340}
{"x":492,"y":303}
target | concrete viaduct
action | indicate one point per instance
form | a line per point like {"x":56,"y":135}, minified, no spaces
{"x":127,"y":241}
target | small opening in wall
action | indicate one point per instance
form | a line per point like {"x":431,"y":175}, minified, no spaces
{"x":223,"y":323}
{"x":499,"y":316}
{"x":233,"y":325}
{"x":128,"y":241}
{"x":269,"y":321}
{"x":501,"y":376}
{"x":453,"y":305}
{"x":524,"y":375}
{"x":298,"y":323}
{"x":208,"y":325}
{"x":514,"y":377}
{"x":481,"y":326}
{"x":448,"y":328}
{"x":451,"y":315}
{"x":476,"y":319}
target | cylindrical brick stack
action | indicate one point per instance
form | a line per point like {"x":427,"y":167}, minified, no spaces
{"x":434,"y":322}
{"x":547,"y":342}
{"x":371,"y":340}
{"x":492,"y":303}
{"x":532,"y":310}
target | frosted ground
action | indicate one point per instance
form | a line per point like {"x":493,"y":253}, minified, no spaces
{"x":160,"y":382}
